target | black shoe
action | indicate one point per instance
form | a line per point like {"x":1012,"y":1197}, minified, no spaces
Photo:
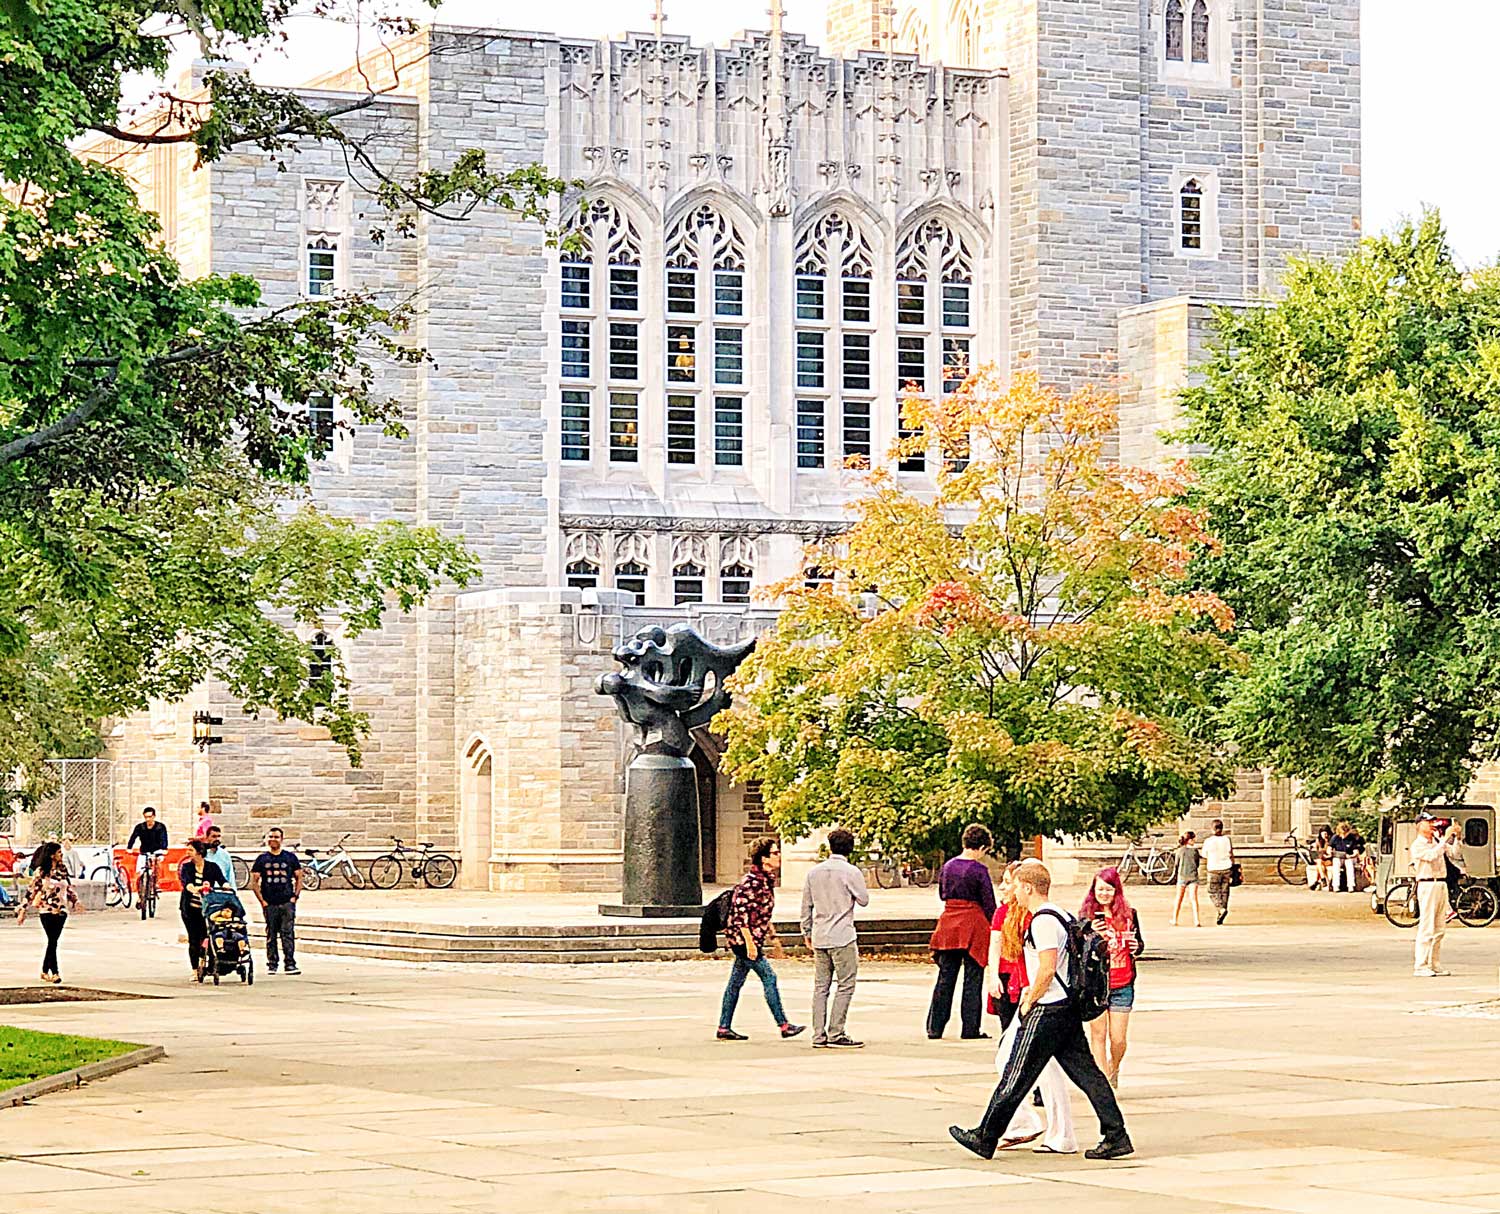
{"x":791,"y":1030}
{"x":844,"y":1043}
{"x":976,"y":1037}
{"x":1111,"y":1148}
{"x":292,"y":969}
{"x":1036,"y":1098}
{"x":934,"y":1036}
{"x":970,"y":1141}
{"x":731,"y":1035}
{"x":1223,"y":914}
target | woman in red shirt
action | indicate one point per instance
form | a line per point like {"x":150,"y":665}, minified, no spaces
{"x":1105,"y":906}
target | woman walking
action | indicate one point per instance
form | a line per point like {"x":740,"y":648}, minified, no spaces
{"x":1188,"y":858}
{"x":1218,"y":855}
{"x":749,"y":932}
{"x":1113,"y":918}
{"x":1006,"y":971}
{"x":51,"y":896}
{"x":198,"y":874}
{"x":961,"y":939}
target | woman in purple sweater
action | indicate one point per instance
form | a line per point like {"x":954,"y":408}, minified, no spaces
{"x":961,"y":940}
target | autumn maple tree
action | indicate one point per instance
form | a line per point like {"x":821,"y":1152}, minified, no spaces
{"x":1010,"y":649}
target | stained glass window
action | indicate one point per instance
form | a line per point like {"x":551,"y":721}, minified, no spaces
{"x":1200,"y":31}
{"x":1174,"y":31}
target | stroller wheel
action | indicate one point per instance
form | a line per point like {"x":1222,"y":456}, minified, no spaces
{"x":216,"y":979}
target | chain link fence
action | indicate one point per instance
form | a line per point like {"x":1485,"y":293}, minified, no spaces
{"x":97,"y":801}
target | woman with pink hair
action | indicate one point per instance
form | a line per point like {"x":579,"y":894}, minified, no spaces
{"x":1113,"y":918}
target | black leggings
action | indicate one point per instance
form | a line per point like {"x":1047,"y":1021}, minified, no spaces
{"x":52,"y":925}
{"x":197,"y":931}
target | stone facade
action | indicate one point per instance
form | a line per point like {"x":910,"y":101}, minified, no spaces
{"x":776,"y":239}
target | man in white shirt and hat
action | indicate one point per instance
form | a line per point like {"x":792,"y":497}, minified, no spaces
{"x":1429,"y":863}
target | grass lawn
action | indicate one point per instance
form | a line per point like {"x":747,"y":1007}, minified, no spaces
{"x":25,"y":1055}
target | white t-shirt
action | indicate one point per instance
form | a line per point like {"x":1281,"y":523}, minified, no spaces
{"x":1047,"y":932}
{"x":1218,"y":853}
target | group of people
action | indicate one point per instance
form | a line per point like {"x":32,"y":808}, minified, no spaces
{"x":1216,"y":854}
{"x":275,"y":881}
{"x":1339,"y":858}
{"x":1013,"y":947}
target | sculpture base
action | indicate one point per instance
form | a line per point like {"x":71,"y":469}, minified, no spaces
{"x":639,"y":911}
{"x":663,"y":863}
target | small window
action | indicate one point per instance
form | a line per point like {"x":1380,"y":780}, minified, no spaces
{"x":955,"y":363}
{"x":631,"y":578}
{"x":322,"y":266}
{"x":687,"y":584}
{"x":624,"y":289}
{"x":810,"y":439}
{"x":682,"y":292}
{"x":955,"y":305}
{"x":857,"y":428}
{"x":1175,"y":40}
{"x":729,"y":293}
{"x":1191,"y":202}
{"x":857,"y":362}
{"x":1476,"y":833}
{"x":1200,"y":31}
{"x":911,"y":303}
{"x":734,"y":584}
{"x":624,"y":426}
{"x":809,"y":297}
{"x":575,"y":285}
{"x":682,"y":429}
{"x":624,"y":350}
{"x":810,"y":371}
{"x":857,"y":300}
{"x":729,"y":431}
{"x":320,"y":422}
{"x":320,"y":661}
{"x":583,"y":575}
{"x":575,"y":349}
{"x":682,"y":354}
{"x":911,"y":363}
{"x":729,"y":356}
{"x":576,"y":416}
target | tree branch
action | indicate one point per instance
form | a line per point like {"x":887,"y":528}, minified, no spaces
{"x":19,"y":448}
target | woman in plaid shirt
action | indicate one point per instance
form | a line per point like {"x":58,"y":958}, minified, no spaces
{"x":749,"y":924}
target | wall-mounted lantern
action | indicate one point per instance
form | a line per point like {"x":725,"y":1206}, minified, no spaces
{"x":203,"y":729}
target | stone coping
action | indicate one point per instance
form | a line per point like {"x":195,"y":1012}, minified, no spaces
{"x":80,"y":1075}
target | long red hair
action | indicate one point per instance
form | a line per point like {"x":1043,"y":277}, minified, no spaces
{"x":1118,"y":910}
{"x":1013,"y":924}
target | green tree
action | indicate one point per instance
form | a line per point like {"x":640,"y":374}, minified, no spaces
{"x":1355,"y":482}
{"x":153,"y":434}
{"x":1007,"y":651}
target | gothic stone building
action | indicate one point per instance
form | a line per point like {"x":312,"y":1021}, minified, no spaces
{"x":778,"y":235}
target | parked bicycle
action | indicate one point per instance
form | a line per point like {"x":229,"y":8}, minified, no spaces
{"x":1292,"y":866}
{"x":339,"y":863}
{"x":435,"y":869}
{"x":117,"y":891}
{"x":241,"y":873}
{"x":1476,"y":905}
{"x":892,"y":874}
{"x":1156,"y":866}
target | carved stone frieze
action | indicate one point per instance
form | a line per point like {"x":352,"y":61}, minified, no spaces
{"x":702,"y":526}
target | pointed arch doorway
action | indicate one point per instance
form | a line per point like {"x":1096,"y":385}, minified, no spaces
{"x":476,"y":814}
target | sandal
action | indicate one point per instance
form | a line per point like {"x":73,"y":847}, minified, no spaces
{"x":1018,"y":1142}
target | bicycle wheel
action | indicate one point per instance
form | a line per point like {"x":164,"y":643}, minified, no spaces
{"x":385,"y":872}
{"x":112,"y":894}
{"x":440,"y":871}
{"x":352,"y":875}
{"x":1163,"y":868}
{"x":1401,"y":904}
{"x":886,"y":875}
{"x":1292,"y":867}
{"x":142,"y":894}
{"x":312,"y":879}
{"x":1476,"y":906}
{"x":153,"y":897}
{"x":241,"y":873}
{"x":1126,"y":867}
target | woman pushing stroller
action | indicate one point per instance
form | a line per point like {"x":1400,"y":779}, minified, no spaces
{"x":198,"y":875}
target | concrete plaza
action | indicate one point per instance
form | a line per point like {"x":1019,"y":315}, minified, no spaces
{"x":1287,"y":1061}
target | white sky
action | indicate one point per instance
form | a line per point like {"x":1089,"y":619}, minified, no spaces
{"x":1428,"y":96}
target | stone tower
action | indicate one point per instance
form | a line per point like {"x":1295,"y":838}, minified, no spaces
{"x":1158,"y":148}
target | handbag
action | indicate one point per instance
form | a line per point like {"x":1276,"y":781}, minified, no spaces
{"x":1236,"y":875}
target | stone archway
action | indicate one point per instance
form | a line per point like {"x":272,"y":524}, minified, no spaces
{"x":476,"y":815}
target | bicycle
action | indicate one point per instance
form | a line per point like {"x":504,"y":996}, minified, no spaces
{"x":893,"y":874}
{"x":117,"y":891}
{"x":1476,"y":905}
{"x":339,"y":863}
{"x":146,"y":887}
{"x":1157,"y":867}
{"x":435,"y":869}
{"x":241,"y":873}
{"x":1292,"y":866}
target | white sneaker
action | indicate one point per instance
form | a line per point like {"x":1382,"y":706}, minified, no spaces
{"x":1424,"y":972}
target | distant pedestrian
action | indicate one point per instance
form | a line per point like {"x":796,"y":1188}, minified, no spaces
{"x":51,"y":896}
{"x":197,"y":874}
{"x":1346,"y":846}
{"x":1430,"y":855}
{"x":219,"y":854}
{"x":1188,"y":860}
{"x":961,"y":939}
{"x":1116,"y":920}
{"x":205,"y":820}
{"x":1218,"y":857}
{"x":276,"y":882}
{"x":830,"y":893}
{"x":750,"y":933}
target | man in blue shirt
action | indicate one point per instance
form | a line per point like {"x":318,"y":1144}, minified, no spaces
{"x":276,"y":882}
{"x":219,"y":854}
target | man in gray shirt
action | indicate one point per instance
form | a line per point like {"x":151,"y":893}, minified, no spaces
{"x":829,"y":895}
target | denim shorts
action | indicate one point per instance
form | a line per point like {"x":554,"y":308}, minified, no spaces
{"x":1122,"y":999}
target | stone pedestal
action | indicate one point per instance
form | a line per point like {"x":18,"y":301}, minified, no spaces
{"x":663,"y":861}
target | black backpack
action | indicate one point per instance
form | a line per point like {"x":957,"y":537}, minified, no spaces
{"x":1088,"y":966}
{"x":715,"y":920}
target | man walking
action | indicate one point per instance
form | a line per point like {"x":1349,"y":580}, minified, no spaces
{"x":830,"y":893}
{"x":276,"y":882}
{"x":1051,"y":1027}
{"x":219,"y":854}
{"x":1218,"y":858}
{"x":1429,"y":863}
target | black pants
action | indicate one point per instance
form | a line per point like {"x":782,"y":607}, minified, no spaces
{"x":949,"y":961}
{"x":1005,"y":1007}
{"x":197,"y":930}
{"x":281,"y":928}
{"x":1051,"y":1031}
{"x":52,"y":925}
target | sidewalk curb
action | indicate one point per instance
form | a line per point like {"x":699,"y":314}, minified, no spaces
{"x":80,"y":1075}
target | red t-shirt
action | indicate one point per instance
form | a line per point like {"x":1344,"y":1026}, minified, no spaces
{"x":1122,"y":945}
{"x":1012,"y":972}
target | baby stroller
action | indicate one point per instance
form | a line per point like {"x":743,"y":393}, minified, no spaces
{"x":228,"y":950}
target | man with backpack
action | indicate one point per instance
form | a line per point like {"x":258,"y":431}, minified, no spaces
{"x":1069,"y":967}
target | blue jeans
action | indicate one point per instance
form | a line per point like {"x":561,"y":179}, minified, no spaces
{"x":763,"y":971}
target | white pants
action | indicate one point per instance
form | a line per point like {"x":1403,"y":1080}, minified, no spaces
{"x":1432,"y":922}
{"x":1056,"y":1101}
{"x":1347,"y":864}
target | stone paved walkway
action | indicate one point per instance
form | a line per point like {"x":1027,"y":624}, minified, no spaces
{"x":1285,"y":1062}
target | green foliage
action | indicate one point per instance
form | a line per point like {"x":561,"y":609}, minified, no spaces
{"x":1005,"y":652}
{"x":1355,"y":482}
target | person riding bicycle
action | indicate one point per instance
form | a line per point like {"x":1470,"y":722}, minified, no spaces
{"x":152,"y":836}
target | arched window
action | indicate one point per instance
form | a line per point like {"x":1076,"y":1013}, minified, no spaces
{"x":1175,"y":40}
{"x":912,"y":39}
{"x":322,"y":265}
{"x":1190,"y":214}
{"x":632,"y":565}
{"x":736,"y":570}
{"x":965,"y":38}
{"x":320,"y":661}
{"x":582,"y":555}
{"x":689,"y":560}
{"x":1200,"y":31}
{"x":835,"y":338}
